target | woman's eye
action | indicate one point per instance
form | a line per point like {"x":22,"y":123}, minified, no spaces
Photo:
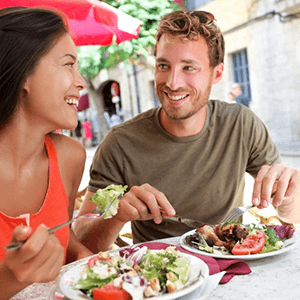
{"x":70,"y":64}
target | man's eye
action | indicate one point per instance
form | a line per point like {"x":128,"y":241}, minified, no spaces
{"x":189,"y":68}
{"x":162,"y":66}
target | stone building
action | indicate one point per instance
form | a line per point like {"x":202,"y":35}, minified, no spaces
{"x":262,"y":53}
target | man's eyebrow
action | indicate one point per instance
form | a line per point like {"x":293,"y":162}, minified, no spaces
{"x":162,"y":60}
{"x":190,"y":61}
{"x":185,"y":61}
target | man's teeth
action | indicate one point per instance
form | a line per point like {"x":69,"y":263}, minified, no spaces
{"x":72,"y":101}
{"x":176,"y":98}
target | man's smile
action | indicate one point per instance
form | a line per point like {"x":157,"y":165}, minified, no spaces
{"x":177,"y":99}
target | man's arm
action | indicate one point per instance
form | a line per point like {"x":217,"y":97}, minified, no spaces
{"x":284,"y":183}
{"x":140,"y":203}
{"x":96,"y":234}
{"x":76,"y":250}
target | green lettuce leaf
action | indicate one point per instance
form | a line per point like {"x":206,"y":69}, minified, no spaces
{"x":93,"y":281}
{"x":156,"y":264}
{"x":103,"y":197}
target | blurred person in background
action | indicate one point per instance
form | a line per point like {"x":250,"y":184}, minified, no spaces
{"x":78,"y":132}
{"x":236,"y":89}
{"x":88,"y":133}
{"x":231,"y":98}
{"x":237,"y":93}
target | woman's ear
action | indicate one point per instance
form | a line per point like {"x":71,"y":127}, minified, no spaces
{"x":218,"y":73}
{"x":25,"y":89}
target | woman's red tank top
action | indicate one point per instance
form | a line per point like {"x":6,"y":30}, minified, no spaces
{"x":53,"y":211}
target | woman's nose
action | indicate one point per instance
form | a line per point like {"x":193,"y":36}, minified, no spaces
{"x":80,"y":82}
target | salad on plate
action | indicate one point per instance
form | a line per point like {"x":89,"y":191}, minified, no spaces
{"x":134,"y":273}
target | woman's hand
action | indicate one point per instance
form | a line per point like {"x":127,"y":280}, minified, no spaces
{"x":38,"y":260}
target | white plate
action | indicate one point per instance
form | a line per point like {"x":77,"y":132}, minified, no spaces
{"x":289,"y":244}
{"x":73,"y":275}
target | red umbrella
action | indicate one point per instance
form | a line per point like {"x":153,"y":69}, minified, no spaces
{"x":91,"y":22}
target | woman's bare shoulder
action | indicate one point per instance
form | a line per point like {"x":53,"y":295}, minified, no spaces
{"x":68,"y":150}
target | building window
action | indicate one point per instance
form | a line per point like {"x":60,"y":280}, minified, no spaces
{"x":241,"y":75}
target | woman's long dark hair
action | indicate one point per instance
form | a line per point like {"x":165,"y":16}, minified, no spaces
{"x":26,"y":34}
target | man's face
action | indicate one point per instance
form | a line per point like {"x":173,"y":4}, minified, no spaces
{"x":183,"y":76}
{"x":236,"y":90}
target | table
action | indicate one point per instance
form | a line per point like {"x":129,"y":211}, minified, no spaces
{"x":272,"y":278}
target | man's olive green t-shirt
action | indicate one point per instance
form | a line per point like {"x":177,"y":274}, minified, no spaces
{"x":201,"y":175}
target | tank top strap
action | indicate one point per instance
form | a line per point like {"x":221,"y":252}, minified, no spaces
{"x":55,"y":181}
{"x":52,"y":155}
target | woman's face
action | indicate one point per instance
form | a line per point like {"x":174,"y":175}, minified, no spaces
{"x":51,"y":92}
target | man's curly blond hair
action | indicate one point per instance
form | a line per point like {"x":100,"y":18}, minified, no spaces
{"x":190,"y":25}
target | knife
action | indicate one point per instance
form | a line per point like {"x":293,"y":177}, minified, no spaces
{"x":189,"y":222}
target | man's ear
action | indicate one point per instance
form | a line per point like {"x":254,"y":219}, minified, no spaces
{"x":218,"y":73}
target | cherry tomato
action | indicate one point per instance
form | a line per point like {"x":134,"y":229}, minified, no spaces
{"x":253,"y":244}
{"x":110,"y":292}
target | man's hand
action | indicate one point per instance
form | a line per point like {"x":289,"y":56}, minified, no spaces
{"x":144,"y":203}
{"x":140,"y":203}
{"x":279,"y":185}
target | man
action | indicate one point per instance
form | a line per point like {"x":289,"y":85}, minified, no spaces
{"x":231,"y":98}
{"x":189,"y":155}
{"x":236,"y":91}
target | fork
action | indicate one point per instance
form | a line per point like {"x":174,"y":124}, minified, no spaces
{"x":93,"y":215}
{"x":236,"y":212}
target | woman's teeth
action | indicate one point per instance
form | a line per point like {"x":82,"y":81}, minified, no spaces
{"x":72,"y":101}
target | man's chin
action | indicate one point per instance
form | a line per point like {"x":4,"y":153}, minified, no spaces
{"x":177,"y":115}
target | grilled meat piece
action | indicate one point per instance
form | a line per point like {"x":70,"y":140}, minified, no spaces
{"x":223,"y":235}
{"x":234,"y":232}
{"x":230,"y":234}
{"x":209,"y":235}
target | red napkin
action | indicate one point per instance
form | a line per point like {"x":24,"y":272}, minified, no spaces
{"x":231,"y":266}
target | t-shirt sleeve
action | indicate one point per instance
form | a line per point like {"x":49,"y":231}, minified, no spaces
{"x":262,"y":149}
{"x":107,"y":164}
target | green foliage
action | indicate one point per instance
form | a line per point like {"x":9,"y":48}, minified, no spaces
{"x":92,"y":59}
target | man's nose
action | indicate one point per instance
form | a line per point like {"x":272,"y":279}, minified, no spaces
{"x":174,"y":80}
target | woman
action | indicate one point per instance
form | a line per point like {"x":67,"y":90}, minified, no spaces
{"x":39,"y":171}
